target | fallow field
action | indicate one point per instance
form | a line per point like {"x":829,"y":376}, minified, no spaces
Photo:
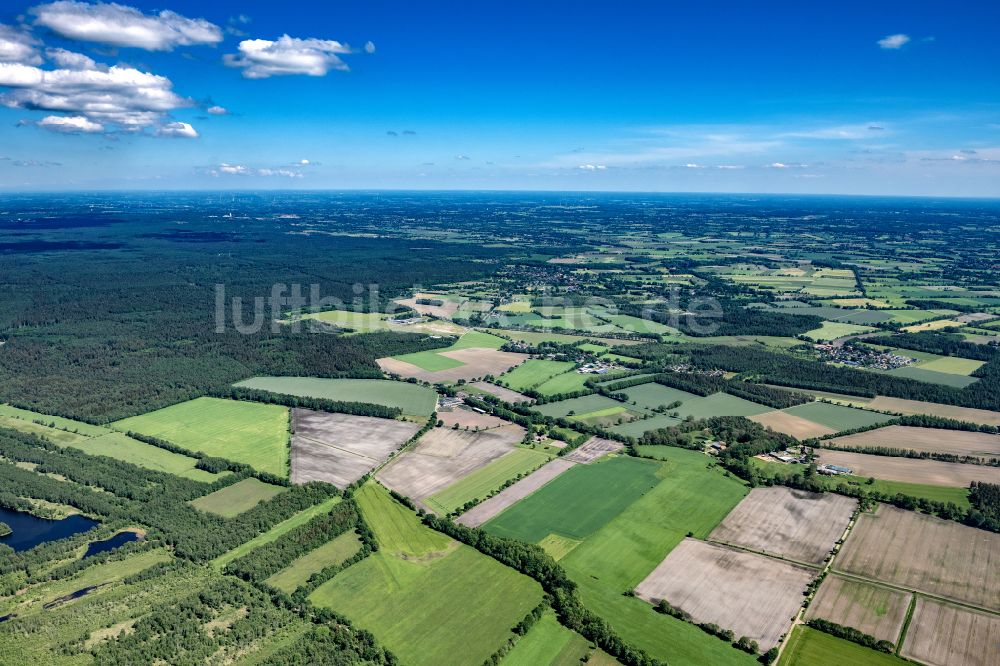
{"x":754,"y":595}
{"x":946,"y":635}
{"x":910,"y":470}
{"x":930,"y":440}
{"x":926,"y":554}
{"x":793,"y":524}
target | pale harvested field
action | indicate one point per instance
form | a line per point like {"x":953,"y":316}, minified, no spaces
{"x":445,"y":310}
{"x":920,"y":552}
{"x":796,"y":524}
{"x":910,"y":470}
{"x":754,"y":595}
{"x":340,"y":448}
{"x":789,"y":424}
{"x":981,"y":416}
{"x":592,"y":449}
{"x":444,"y":456}
{"x":878,"y":611}
{"x":492,"y":507}
{"x":466,"y":417}
{"x":931,"y":440}
{"x":504,"y":394}
{"x":478,"y":362}
{"x":945,"y":635}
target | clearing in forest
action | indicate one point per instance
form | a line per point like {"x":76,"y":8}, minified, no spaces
{"x":236,"y":498}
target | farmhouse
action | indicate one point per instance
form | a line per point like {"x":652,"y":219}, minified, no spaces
{"x":834,"y":470}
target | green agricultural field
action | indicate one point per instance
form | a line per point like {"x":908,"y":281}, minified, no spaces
{"x":809,"y":647}
{"x":837,"y":417}
{"x":246,"y":432}
{"x":641,"y":426}
{"x":53,"y":421}
{"x":590,"y":347}
{"x":922,"y":373}
{"x":425,"y":597}
{"x":432,"y":361}
{"x":56,"y":435}
{"x":548,"y":643}
{"x":484,"y":480}
{"x":958,"y":496}
{"x":411,"y":398}
{"x":336,"y":551}
{"x":236,"y":498}
{"x":832,"y":330}
{"x":584,"y":405}
{"x":568,"y":382}
{"x":533,"y":372}
{"x":299,"y":519}
{"x":953,"y":365}
{"x":719,"y":404}
{"x":628,"y":547}
{"x":121,"y":446}
{"x":578,"y":502}
{"x":654,"y":395}
{"x":637,"y":325}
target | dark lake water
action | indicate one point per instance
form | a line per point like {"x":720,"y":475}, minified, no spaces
{"x":117,"y":540}
{"x":30,"y":531}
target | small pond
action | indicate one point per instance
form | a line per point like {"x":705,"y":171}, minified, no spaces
{"x":117,"y":540}
{"x":30,"y":531}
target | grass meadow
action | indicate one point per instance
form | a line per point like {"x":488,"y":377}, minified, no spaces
{"x":236,"y":498}
{"x":246,"y":432}
{"x":411,"y":398}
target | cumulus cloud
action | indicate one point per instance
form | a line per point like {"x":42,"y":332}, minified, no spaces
{"x":70,"y":125}
{"x":120,"y":25}
{"x":15,"y":46}
{"x":369,"y":47}
{"x":592,"y":167}
{"x":894,"y":42}
{"x":218,"y":110}
{"x":263,"y":58}
{"x":177,"y":130}
{"x":119,"y":96}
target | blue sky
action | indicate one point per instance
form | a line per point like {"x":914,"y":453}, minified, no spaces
{"x":826,"y":97}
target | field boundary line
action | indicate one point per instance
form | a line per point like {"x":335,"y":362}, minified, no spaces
{"x":906,"y":623}
{"x":816,"y":567}
{"x":337,"y":448}
{"x":899,"y":588}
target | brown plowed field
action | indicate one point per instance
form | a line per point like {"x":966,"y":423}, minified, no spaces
{"x":753,"y":595}
{"x":924,"y":553}
{"x":945,"y":635}
{"x":796,"y":524}
{"x":910,"y":470}
{"x":877,"y":611}
{"x":930,"y":440}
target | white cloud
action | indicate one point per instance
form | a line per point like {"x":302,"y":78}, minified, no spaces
{"x":177,"y":130}
{"x":730,"y":166}
{"x":290,"y":171}
{"x":71,"y":60}
{"x":592,"y":167}
{"x":778,"y":165}
{"x":119,"y":25}
{"x":70,"y":125}
{"x":263,"y":58}
{"x":121,"y":96}
{"x":218,"y":111}
{"x":894,"y":42}
{"x":369,"y":47}
{"x":692,"y":165}
{"x":18,"y":47}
